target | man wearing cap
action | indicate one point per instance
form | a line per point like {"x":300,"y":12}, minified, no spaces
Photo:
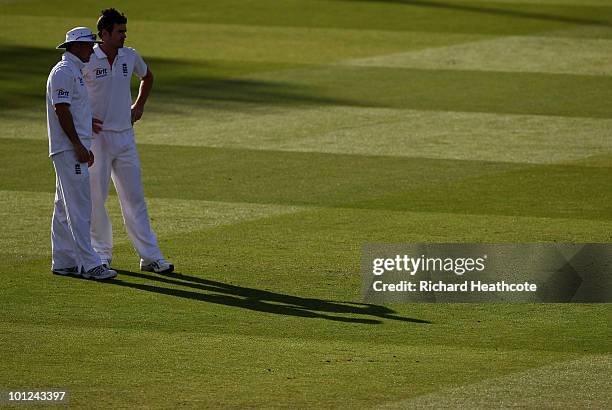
{"x":107,"y":77}
{"x":69,"y":124}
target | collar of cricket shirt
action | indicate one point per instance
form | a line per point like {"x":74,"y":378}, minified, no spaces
{"x":68,"y":56}
{"x":100,"y":53}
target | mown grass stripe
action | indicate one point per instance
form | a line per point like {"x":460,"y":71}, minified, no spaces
{"x":341,"y":180}
{"x":240,"y":42}
{"x":507,"y":54}
{"x":365,"y":131}
{"x":552,"y":385}
{"x":387,"y":132}
{"x":29,"y":237}
{"x":452,"y":90}
{"x":261,"y":362}
{"x":423,"y":15}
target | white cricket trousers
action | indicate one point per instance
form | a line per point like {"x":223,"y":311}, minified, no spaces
{"x":116,"y":157}
{"x":70,"y":241}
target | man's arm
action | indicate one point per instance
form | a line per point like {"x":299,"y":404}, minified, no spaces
{"x":146,"y":83}
{"x":67,"y":123}
{"x":96,"y":125}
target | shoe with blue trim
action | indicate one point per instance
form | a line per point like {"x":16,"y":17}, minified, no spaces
{"x":158,"y":266}
{"x":100,"y":272}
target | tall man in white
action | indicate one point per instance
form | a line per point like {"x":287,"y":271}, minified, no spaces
{"x":69,"y":124}
{"x":107,"y":76}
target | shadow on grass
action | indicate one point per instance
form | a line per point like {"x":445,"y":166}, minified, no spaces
{"x":260,"y":300}
{"x":24,"y":72}
{"x":496,"y":11}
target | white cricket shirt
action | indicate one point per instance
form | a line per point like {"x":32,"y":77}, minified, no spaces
{"x":109,"y":87}
{"x":65,"y":85}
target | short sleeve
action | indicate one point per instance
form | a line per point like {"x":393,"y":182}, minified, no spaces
{"x":62,"y":87}
{"x":140,"y":67}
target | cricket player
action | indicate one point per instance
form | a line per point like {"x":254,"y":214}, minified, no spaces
{"x":107,"y":77}
{"x":69,"y":124}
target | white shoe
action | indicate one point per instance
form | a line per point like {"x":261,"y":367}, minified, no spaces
{"x":100,"y":272}
{"x":158,"y":266}
{"x":71,"y":271}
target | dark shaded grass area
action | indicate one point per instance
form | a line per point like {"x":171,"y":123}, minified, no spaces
{"x":468,"y":91}
{"x":411,"y":184}
{"x":194,"y":83}
{"x":24,"y":72}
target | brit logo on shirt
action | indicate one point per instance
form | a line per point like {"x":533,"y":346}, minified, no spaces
{"x":77,"y":169}
{"x":61,"y":93}
{"x":101,"y":72}
{"x":125,"y":70}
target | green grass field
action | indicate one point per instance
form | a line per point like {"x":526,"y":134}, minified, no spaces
{"x":280,"y":137}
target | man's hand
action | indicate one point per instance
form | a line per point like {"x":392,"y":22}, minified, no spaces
{"x":137,"y":112}
{"x":82,"y":154}
{"x":96,"y":125}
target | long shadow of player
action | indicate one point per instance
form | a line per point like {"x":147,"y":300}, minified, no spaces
{"x":260,"y":300}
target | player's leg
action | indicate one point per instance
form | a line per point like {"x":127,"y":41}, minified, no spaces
{"x":99,"y":177}
{"x":63,"y":256}
{"x":73,"y":182}
{"x":127,"y":178}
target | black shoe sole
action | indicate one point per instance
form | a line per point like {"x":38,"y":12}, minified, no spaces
{"x":75,"y":274}
{"x":169,"y":270}
{"x":98,"y":279}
